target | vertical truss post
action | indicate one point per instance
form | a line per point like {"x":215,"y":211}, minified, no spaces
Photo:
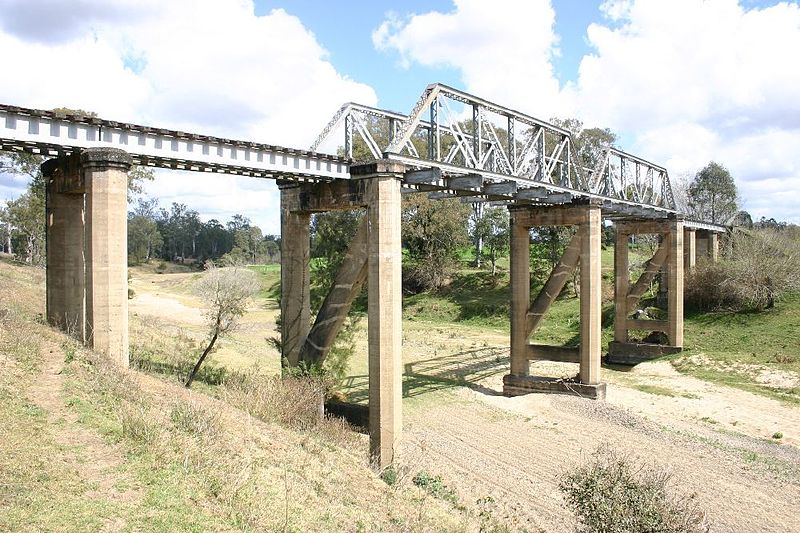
{"x":541,"y":158}
{"x":434,"y":138}
{"x":392,"y":129}
{"x":477,"y":134}
{"x":348,"y":136}
{"x":568,"y":158}
{"x":512,"y":146}
{"x":520,"y":294}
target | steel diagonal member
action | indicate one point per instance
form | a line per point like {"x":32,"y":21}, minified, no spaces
{"x":410,"y":124}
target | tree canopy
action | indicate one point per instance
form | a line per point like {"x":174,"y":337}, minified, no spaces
{"x":713,"y":195}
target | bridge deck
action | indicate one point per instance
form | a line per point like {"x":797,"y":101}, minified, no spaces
{"x":51,"y":133}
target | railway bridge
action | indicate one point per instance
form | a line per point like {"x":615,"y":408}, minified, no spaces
{"x":451,"y":145}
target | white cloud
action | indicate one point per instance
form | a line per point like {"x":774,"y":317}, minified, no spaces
{"x":503,"y":49}
{"x":206,"y":66}
{"x":688,"y":81}
{"x":695,"y":81}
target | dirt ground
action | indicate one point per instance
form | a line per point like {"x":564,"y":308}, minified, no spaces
{"x":511,"y":452}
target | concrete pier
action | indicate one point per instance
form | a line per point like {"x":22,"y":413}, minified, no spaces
{"x":65,"y":262}
{"x":583,"y":250}
{"x":106,"y":250}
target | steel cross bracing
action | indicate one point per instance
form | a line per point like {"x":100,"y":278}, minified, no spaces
{"x":50,"y":134}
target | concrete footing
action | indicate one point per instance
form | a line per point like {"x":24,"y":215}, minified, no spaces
{"x":515,"y":385}
{"x":633,"y":353}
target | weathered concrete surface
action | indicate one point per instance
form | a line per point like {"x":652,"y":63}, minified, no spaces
{"x":689,"y":249}
{"x":631,"y":353}
{"x":106,"y":250}
{"x":385,"y":314}
{"x":590,"y":296}
{"x":675,"y":284}
{"x":295,"y":280}
{"x":514,"y":385}
{"x":65,"y":263}
{"x":520,"y":292}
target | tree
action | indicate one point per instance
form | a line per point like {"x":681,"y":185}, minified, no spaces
{"x":226,"y":292}
{"x":713,"y":195}
{"x":25,"y":218}
{"x":144,"y":239}
{"x":493,"y":229}
{"x":433,"y":233}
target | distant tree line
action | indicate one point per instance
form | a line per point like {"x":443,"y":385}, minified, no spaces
{"x":178,"y":234}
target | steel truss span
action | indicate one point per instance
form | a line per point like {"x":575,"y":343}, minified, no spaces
{"x":461,"y":133}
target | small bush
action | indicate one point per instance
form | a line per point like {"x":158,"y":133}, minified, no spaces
{"x":612,"y":493}
{"x":434,"y":486}
{"x":161,"y":268}
{"x":777,"y":435}
{"x":137,"y":424}
{"x":195,"y":419}
{"x":760,"y":268}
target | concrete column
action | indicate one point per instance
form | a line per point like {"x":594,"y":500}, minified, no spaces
{"x":701,"y":243}
{"x":384,"y":317}
{"x":689,"y":249}
{"x":591,"y":309}
{"x":106,"y":250}
{"x":675,"y":284}
{"x":295,"y":288}
{"x":713,"y":246}
{"x":621,"y":287}
{"x":65,"y":264}
{"x":520,"y":295}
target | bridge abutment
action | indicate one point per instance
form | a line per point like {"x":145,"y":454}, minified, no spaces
{"x":583,"y":250}
{"x":87,"y":250}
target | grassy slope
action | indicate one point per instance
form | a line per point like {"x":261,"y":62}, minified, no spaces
{"x":739,"y":349}
{"x":185,"y":462}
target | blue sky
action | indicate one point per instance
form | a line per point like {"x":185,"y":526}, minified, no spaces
{"x":681,"y":82}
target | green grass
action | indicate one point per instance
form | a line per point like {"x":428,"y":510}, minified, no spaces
{"x":740,"y":345}
{"x":655,"y":389}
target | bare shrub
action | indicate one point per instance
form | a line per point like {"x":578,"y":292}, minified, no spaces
{"x":614,"y":493}
{"x":760,"y":267}
{"x":226,"y":292}
{"x":294,"y":402}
